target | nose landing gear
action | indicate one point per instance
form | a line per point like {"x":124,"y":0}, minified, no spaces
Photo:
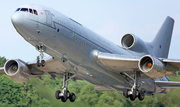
{"x":41,"y":61}
{"x":65,"y":93}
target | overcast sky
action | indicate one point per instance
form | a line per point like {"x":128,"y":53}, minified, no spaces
{"x":109,"y":18}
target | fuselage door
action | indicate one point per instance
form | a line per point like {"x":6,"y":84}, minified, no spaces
{"x":48,"y":17}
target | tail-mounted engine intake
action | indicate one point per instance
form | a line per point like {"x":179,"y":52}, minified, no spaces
{"x":132,"y":42}
{"x":152,"y":67}
{"x":17,"y":70}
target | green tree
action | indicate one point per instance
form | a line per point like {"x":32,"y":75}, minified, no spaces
{"x":90,"y":96}
{"x":2,"y":61}
{"x":10,"y":91}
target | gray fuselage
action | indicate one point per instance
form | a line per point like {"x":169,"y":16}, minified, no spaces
{"x":65,"y":38}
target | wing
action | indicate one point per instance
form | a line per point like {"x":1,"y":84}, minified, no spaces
{"x":130,"y":63}
{"x":121,"y":63}
{"x":118,"y":62}
{"x":168,"y":84}
{"x":52,"y":66}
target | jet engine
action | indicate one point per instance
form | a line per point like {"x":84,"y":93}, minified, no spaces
{"x":134,"y":43}
{"x":17,"y":70}
{"x":152,"y":67}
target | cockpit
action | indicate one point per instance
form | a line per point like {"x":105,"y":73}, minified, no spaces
{"x":33,"y":11}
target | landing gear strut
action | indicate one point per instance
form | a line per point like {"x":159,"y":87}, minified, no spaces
{"x":41,"y":61}
{"x":133,"y":93}
{"x":65,"y":93}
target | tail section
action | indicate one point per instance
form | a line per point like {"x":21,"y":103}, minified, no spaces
{"x":161,"y":43}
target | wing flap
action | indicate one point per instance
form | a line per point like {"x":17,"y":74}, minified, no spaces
{"x":119,"y":62}
{"x":168,"y":84}
{"x":101,"y":88}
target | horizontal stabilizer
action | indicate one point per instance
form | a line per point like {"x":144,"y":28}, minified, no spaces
{"x":168,"y":84}
{"x":173,"y":62}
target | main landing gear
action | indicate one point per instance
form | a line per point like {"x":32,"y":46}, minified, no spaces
{"x":133,"y":93}
{"x":41,"y":61}
{"x":65,"y":94}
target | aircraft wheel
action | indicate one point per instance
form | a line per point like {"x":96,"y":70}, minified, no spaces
{"x":43,"y":63}
{"x":38,"y":64}
{"x":66,"y":93}
{"x":132,"y":98}
{"x":125,"y":93}
{"x":72,"y":97}
{"x":63,"y":99}
{"x":134,"y":93}
{"x":141,"y":96}
{"x":57,"y":94}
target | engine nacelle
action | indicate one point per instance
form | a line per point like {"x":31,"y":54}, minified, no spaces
{"x":17,"y":70}
{"x":134,"y":43}
{"x":152,"y":67}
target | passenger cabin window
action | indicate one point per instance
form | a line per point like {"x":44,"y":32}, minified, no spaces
{"x":24,"y":9}
{"x":30,"y":10}
{"x":35,"y":12}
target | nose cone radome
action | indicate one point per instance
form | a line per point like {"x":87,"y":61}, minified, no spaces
{"x":17,"y":19}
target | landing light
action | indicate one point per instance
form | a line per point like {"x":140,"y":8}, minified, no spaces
{"x":96,"y":53}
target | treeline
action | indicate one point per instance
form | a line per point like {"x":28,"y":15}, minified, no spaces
{"x":41,"y":93}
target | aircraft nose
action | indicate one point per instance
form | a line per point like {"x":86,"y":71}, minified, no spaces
{"x":17,"y":19}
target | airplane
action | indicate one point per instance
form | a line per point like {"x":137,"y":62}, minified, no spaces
{"x":135,"y":68}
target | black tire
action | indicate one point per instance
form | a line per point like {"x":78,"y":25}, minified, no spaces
{"x":38,"y":65}
{"x":57,"y":94}
{"x":65,"y":95}
{"x":132,"y":98}
{"x":63,"y":99}
{"x":43,"y":63}
{"x":68,"y":94}
{"x":72,"y":97}
{"x":141,"y":96}
{"x":134,"y":93}
{"x":125,"y":93}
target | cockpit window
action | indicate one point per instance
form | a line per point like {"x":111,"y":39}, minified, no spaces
{"x":35,"y":12}
{"x":30,"y":10}
{"x":24,"y":9}
{"x":18,"y":9}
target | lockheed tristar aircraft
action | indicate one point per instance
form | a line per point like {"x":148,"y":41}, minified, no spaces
{"x":136,"y":68}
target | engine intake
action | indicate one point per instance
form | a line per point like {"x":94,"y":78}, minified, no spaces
{"x":134,"y":43}
{"x":127,"y":41}
{"x":152,"y":67}
{"x":17,"y":70}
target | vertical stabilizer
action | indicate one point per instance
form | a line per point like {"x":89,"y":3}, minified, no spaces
{"x":161,"y":43}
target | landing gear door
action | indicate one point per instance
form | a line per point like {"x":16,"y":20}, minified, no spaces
{"x":48,"y":18}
